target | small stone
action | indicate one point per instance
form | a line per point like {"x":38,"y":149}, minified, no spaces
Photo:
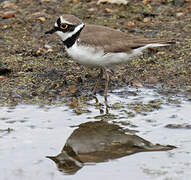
{"x":146,"y":20}
{"x":80,"y":111}
{"x":20,"y":73}
{"x":63,"y":93}
{"x":74,"y":103}
{"x":3,"y":69}
{"x":48,"y":1}
{"x":8,"y":4}
{"x":145,"y":2}
{"x":91,"y":9}
{"x":108,"y":10}
{"x":161,"y":53}
{"x":178,"y":126}
{"x":3,"y":78}
{"x":8,"y":14}
{"x":119,"y":2}
{"x":179,"y":14}
{"x":47,"y":46}
{"x":42,"y":19}
{"x":152,"y":80}
{"x":72,"y":89}
{"x":70,"y":77}
{"x":38,"y":52}
{"x":50,"y":50}
{"x":137,"y":84}
{"x":77,"y":68}
{"x":38,"y":14}
{"x":131,"y":24}
{"x":178,"y":2}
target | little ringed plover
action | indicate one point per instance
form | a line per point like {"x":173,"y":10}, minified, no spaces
{"x":100,"y":46}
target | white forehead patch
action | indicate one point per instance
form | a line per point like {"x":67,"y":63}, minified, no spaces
{"x":56,"y":25}
{"x":64,"y":21}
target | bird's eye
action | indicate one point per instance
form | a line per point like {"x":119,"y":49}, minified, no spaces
{"x":63,"y":26}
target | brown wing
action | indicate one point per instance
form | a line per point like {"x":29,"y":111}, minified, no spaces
{"x":112,"y":40}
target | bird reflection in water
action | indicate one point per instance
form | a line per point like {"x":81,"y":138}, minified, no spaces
{"x":100,"y":141}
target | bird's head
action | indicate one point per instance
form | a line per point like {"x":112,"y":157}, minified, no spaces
{"x":66,"y":26}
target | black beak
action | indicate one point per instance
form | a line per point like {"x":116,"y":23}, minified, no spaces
{"x":53,"y":30}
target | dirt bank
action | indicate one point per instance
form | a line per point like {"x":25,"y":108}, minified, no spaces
{"x":41,"y":72}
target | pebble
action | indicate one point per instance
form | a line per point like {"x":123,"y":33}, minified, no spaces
{"x":38,"y":52}
{"x":8,"y":14}
{"x":8,"y":4}
{"x":145,"y":2}
{"x":47,"y":46}
{"x":179,"y":14}
{"x":178,"y":2}
{"x":3,"y":78}
{"x":72,"y":89}
{"x":178,"y":126}
{"x":131,"y":24}
{"x":137,"y":84}
{"x":119,"y":2}
{"x":146,"y":20}
{"x":42,"y":19}
{"x":3,"y":69}
{"x":38,"y":14}
{"x":48,"y":1}
{"x":91,"y":9}
{"x":108,"y":10}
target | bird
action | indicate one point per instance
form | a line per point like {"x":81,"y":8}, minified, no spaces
{"x":100,"y":46}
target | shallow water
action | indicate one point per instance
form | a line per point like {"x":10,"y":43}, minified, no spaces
{"x":28,"y":134}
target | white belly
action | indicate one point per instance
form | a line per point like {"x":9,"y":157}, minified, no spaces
{"x":91,"y":57}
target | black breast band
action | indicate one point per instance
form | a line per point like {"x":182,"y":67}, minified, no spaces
{"x":71,"y":40}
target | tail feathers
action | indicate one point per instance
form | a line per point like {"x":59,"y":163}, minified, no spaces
{"x":153,"y":43}
{"x":149,"y":43}
{"x":139,"y":49}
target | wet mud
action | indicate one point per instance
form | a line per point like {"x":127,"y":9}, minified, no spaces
{"x":34,"y":68}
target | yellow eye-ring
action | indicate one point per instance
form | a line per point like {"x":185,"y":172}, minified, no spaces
{"x":64,"y":26}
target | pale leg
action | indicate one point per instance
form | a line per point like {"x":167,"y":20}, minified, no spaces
{"x":98,"y":81}
{"x":106,"y":84}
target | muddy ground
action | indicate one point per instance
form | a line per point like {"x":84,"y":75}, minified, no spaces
{"x":34,"y":68}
